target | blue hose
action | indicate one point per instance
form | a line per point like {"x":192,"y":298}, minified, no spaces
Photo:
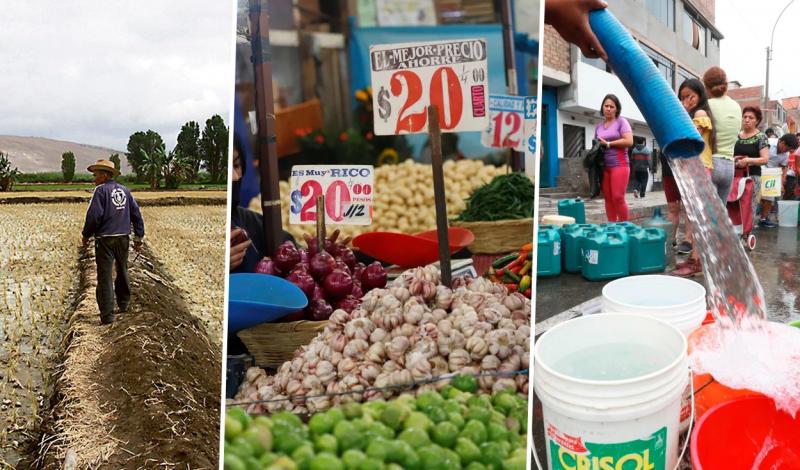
{"x":665,"y":115}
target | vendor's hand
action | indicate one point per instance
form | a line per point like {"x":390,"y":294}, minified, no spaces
{"x":571,"y":19}
{"x":137,"y":246}
{"x":238,"y":251}
{"x":741,"y":163}
{"x":604,"y":143}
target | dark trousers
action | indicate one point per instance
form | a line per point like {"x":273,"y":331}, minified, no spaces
{"x":640,"y":178}
{"x":111,"y":252}
{"x":791,"y":184}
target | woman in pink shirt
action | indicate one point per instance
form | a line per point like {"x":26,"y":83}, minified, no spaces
{"x":616,"y":136}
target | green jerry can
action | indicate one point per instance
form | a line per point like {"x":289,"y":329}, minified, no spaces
{"x":648,"y":250}
{"x":573,"y":208}
{"x":626,"y":225}
{"x":548,"y":251}
{"x":606,"y":255}
{"x":571,"y":253}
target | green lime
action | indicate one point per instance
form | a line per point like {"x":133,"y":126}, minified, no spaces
{"x":504,"y":402}
{"x":394,"y":414}
{"x":259,"y":438}
{"x":353,"y":459}
{"x":492,"y":454}
{"x":321,"y":423}
{"x":371,"y":464}
{"x":433,"y":458}
{"x":429,"y":399}
{"x":416,"y":438}
{"x":479,"y":413}
{"x":232,"y":462}
{"x":456,"y":419}
{"x":467,"y":450}
{"x":437,"y":414}
{"x":497,"y":432}
{"x":445,"y":434}
{"x":515,"y":463}
{"x":233,"y":428}
{"x":303,"y":454}
{"x":475,"y":431}
{"x":465,"y":383}
{"x":378,"y":429}
{"x":418,"y":420}
{"x":378,"y":449}
{"x":267,"y":459}
{"x":283,"y":463}
{"x":352,"y":410}
{"x":325,"y":461}
{"x":239,"y":415}
{"x":326,"y":443}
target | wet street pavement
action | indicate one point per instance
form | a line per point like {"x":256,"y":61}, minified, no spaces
{"x":776,"y":260}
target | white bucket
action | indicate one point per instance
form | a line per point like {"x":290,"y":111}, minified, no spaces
{"x":787,"y":213}
{"x":595,"y":424}
{"x":678,"y":301}
{"x":771,"y":182}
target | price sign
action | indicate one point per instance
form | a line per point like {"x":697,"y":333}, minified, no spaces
{"x":348,"y":192}
{"x":531,"y":117}
{"x":510,"y":121}
{"x":407,"y":78}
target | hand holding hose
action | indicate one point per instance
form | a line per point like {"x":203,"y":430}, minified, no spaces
{"x":571,"y":19}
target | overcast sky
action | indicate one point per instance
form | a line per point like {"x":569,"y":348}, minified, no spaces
{"x":746,"y":25}
{"x":96,"y":72}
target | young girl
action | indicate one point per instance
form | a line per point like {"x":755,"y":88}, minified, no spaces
{"x":693,"y":96}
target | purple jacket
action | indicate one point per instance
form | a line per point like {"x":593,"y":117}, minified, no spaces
{"x":112,"y":211}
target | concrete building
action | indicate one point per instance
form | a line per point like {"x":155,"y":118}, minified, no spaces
{"x":680,"y":37}
{"x":775,"y":116}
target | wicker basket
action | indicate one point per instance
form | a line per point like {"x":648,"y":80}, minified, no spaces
{"x":272,"y":344}
{"x":500,"y":236}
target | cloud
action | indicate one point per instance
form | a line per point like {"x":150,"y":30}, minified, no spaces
{"x":96,"y":72}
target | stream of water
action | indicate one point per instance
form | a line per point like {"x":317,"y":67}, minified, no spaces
{"x":745,"y":350}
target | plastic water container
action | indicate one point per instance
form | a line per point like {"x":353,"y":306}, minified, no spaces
{"x":548,"y":251}
{"x":573,"y":208}
{"x":647,"y":250}
{"x":675,"y":300}
{"x":788,"y":213}
{"x":571,"y":253}
{"x":658,"y":221}
{"x":626,"y":225}
{"x":628,"y":412}
{"x":605,"y":255}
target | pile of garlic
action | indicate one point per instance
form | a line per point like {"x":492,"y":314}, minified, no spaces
{"x":411,"y":331}
{"x":403,"y":200}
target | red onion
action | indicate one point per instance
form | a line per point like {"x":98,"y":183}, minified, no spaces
{"x":266,"y":266}
{"x":313,"y":245}
{"x":373,"y":277}
{"x":341,"y":265}
{"x":357,"y":292}
{"x":347,"y":255}
{"x":348,"y":303}
{"x":303,"y":256}
{"x":319,"y":310}
{"x":318,"y":294}
{"x":286,"y":256}
{"x":338,"y":284}
{"x":320,"y":265}
{"x":301,"y":266}
{"x":358,"y":269}
{"x":302,"y":280}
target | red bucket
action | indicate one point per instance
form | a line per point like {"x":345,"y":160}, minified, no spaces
{"x":746,"y":434}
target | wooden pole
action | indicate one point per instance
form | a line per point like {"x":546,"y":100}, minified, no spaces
{"x":438,"y":195}
{"x":517,"y":158}
{"x":321,"y":223}
{"x":265,"y":117}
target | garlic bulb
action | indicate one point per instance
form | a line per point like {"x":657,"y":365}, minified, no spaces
{"x":378,"y":335}
{"x":360,"y":328}
{"x":477,"y":347}
{"x":458,"y":359}
{"x":397,"y":348}
{"x":356,"y":348}
{"x":500,"y":342}
{"x":376,"y":353}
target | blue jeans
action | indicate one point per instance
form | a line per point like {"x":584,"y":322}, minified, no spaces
{"x":722,"y":177}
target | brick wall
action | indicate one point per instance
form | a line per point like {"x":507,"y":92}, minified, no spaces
{"x":556,"y":50}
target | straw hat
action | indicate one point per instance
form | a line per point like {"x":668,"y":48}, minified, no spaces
{"x":104,"y":165}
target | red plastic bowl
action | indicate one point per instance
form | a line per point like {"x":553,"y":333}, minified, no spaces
{"x":746,"y":434}
{"x":410,"y":251}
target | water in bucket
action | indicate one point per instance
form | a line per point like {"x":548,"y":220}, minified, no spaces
{"x":615,"y":361}
{"x":750,"y":352}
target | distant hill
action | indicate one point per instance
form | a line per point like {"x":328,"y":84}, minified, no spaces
{"x":39,"y":154}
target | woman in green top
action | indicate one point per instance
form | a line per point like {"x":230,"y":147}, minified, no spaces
{"x":727,"y":120}
{"x":752,"y":149}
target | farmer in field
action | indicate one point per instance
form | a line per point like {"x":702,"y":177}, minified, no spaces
{"x":111,"y":213}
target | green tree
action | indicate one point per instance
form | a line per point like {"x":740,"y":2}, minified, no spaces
{"x":152,"y":165}
{"x":139,"y":145}
{"x":188,"y":147}
{"x":177,"y":168}
{"x":214,"y":146}
{"x":114,"y":158}
{"x":8,"y":175}
{"x":68,"y":166}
